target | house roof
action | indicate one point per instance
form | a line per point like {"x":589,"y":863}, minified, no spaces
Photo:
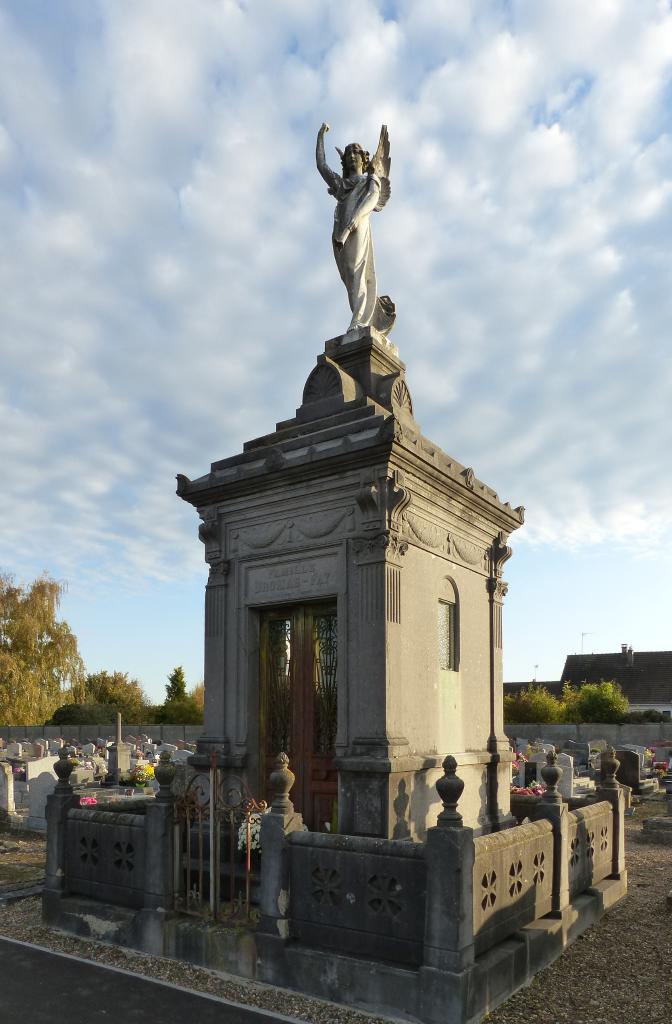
{"x":553,"y":686}
{"x":644,"y":676}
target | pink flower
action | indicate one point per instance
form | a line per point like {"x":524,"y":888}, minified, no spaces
{"x":87,"y":801}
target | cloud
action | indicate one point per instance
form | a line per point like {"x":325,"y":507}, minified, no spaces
{"x":167,"y":279}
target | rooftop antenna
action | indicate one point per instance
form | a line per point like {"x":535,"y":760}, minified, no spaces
{"x":535,"y":673}
{"x":583,"y":636}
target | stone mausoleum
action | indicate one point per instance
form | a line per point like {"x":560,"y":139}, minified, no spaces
{"x":353,"y":680}
{"x":353,"y":612}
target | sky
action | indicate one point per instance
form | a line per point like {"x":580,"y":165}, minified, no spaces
{"x":166,"y":282}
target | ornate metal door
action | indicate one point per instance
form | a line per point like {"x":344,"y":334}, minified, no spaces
{"x":299,"y":663}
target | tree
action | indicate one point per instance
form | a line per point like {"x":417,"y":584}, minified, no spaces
{"x":176,"y":687}
{"x":40,"y":665}
{"x":180,"y":707}
{"x":594,"y":702}
{"x":198,"y":693}
{"x":532,"y":704}
{"x":116,"y":689}
{"x":181,"y":712}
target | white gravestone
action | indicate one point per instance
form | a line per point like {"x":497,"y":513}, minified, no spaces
{"x":39,"y":789}
{"x":39,"y":765}
{"x":566,"y":783}
{"x":6,"y":790}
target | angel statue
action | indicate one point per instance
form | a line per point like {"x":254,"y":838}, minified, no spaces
{"x":363,"y":188}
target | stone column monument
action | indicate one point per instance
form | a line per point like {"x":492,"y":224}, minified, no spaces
{"x":353,"y":611}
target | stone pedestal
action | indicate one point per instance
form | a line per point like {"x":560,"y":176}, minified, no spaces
{"x":348,"y":502}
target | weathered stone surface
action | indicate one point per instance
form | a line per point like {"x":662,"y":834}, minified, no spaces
{"x":352,"y":504}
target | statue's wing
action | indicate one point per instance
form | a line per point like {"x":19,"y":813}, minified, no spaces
{"x":380,"y":166}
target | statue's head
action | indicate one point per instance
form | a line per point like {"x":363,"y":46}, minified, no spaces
{"x":354,"y":160}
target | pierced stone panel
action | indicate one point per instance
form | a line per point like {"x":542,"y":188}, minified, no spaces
{"x":359,"y":896}
{"x":384,"y":893}
{"x":105,"y":855}
{"x":516,"y":879}
{"x":512,"y":881}
{"x":589,"y":846}
{"x":489,"y":889}
{"x":124,"y":856}
{"x":88,"y":848}
{"x":326,"y":885}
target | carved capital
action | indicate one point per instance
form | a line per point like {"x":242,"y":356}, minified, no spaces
{"x":385,"y":543}
{"x":219,"y":570}
{"x":497,"y":587}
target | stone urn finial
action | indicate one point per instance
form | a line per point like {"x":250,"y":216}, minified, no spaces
{"x":551,"y":773}
{"x":449,"y":788}
{"x":282,"y":779}
{"x":164,"y":773}
{"x":609,"y":765}
{"x":64,"y":768}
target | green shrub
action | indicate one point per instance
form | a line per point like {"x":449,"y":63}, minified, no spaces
{"x":594,"y":702}
{"x":533,"y":704}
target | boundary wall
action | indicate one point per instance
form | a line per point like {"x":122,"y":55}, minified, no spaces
{"x":645,"y":734}
{"x":89,"y":733}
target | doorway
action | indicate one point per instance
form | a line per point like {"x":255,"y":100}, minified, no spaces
{"x":298,"y":705}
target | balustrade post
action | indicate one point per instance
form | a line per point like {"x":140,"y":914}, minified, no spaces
{"x":276,"y":825}
{"x":449,"y":914}
{"x":159,"y":848}
{"x":552,"y":808}
{"x":609,"y":789}
{"x":59,"y":803}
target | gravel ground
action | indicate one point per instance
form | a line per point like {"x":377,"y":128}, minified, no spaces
{"x":619,"y":971}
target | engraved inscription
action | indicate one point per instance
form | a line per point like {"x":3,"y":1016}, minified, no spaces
{"x":293,"y":578}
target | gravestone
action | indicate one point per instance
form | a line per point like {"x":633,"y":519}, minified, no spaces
{"x":579,"y":751}
{"x":39,"y":788}
{"x":566,"y":783}
{"x":629,"y":768}
{"x":82,"y":776}
{"x":55,"y":745}
{"x":35,"y":767}
{"x":6,"y":790}
{"x":89,"y":748}
{"x":532,"y":768}
{"x":597,"y":745}
{"x":170,"y":747}
{"x":15,"y":749}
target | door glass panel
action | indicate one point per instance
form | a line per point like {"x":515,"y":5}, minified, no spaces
{"x":280,"y":686}
{"x":325,"y":653}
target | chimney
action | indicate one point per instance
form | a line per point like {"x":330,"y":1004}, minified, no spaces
{"x":631,"y":657}
{"x":624,"y":650}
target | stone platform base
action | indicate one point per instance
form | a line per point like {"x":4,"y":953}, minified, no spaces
{"x":657,"y":830}
{"x":420,"y":994}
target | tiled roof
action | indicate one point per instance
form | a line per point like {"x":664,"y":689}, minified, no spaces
{"x":647,"y":681}
{"x":553,"y":686}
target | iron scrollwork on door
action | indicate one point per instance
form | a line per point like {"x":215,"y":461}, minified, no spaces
{"x":280,"y":685}
{"x":325,"y":661}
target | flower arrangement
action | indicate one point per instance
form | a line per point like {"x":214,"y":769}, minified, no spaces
{"x":142,"y":774}
{"x":255,"y":832}
{"x":537,"y":790}
{"x":87,"y":801}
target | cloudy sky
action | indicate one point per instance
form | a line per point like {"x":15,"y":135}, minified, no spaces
{"x":166,"y":281}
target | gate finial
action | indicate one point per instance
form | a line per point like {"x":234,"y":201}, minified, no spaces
{"x":282,"y":779}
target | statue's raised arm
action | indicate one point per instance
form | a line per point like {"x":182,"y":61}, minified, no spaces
{"x":363,"y":188}
{"x":332,"y":179}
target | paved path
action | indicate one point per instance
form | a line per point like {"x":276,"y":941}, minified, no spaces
{"x":42,"y":987}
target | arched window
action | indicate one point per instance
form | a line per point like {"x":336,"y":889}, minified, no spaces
{"x":448,"y":626}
